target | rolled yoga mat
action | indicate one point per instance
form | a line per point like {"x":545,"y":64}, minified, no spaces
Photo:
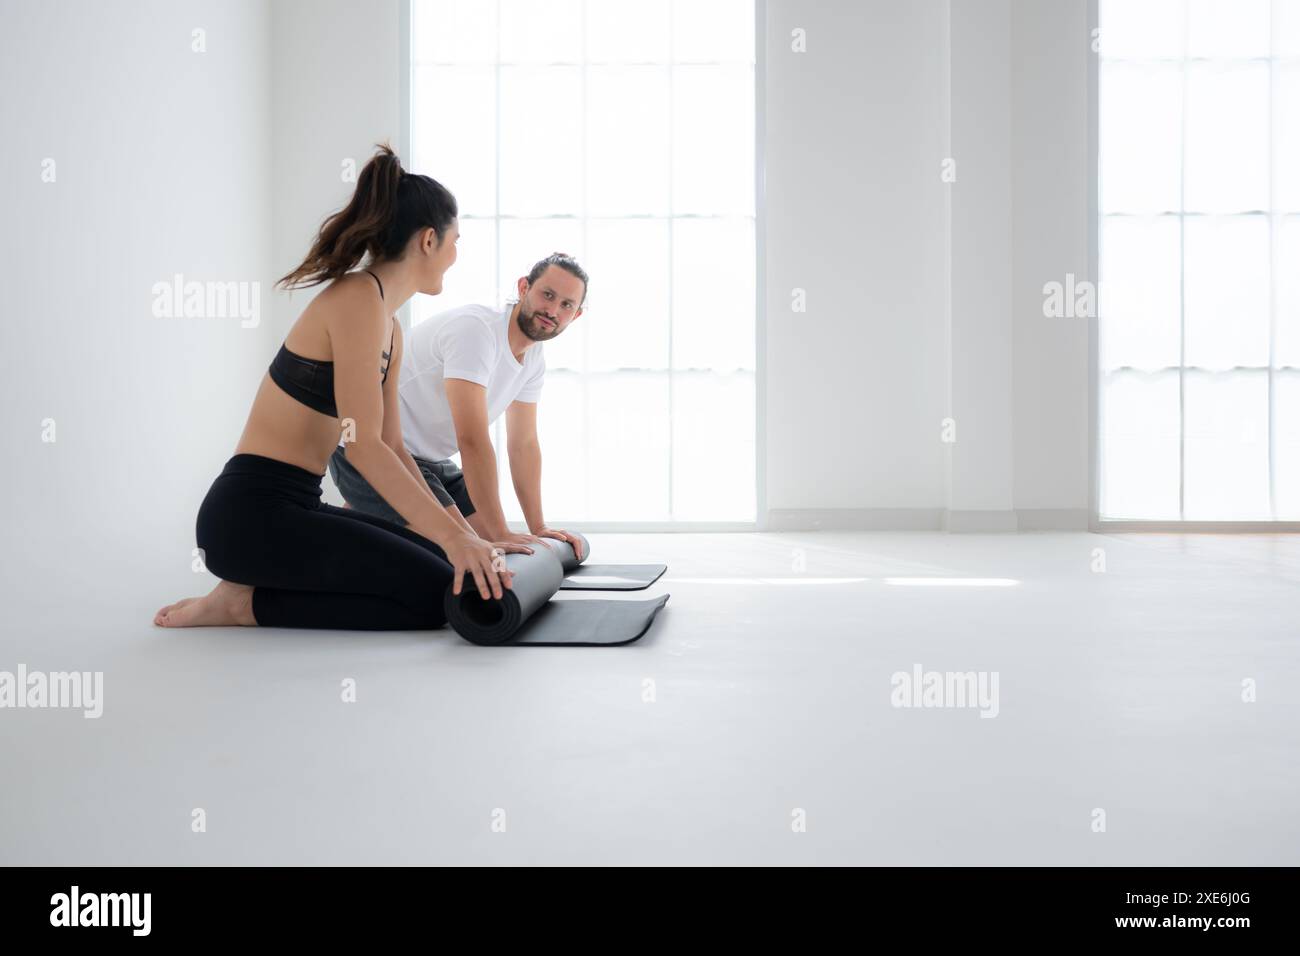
{"x":526,"y":615}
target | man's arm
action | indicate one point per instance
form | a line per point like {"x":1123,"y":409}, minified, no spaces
{"x":525,"y":461}
{"x":525,"y":453}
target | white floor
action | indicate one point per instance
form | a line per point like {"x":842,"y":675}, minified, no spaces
{"x":1119,"y":690}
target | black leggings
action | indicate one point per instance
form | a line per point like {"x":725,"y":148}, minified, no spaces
{"x":312,"y":564}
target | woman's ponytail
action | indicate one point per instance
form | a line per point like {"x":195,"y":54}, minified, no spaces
{"x":387,"y":206}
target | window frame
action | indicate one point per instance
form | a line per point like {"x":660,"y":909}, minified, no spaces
{"x":1096,"y":522}
{"x":406,"y":78}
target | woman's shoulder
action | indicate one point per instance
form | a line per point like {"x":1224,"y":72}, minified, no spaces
{"x":350,"y":288}
{"x":339,"y":309}
{"x":348,"y":297}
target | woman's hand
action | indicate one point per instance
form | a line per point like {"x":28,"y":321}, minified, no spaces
{"x":512,"y":547}
{"x":473,"y":555}
{"x":521,"y":543}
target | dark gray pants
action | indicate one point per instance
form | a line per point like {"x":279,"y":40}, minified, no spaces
{"x":444,"y":479}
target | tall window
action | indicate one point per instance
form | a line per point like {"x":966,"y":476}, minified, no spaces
{"x":620,"y":132}
{"x":1199,"y":169}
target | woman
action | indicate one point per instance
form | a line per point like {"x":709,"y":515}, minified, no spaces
{"x":286,"y":559}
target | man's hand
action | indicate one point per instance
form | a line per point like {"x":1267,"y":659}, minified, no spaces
{"x":573,"y":539}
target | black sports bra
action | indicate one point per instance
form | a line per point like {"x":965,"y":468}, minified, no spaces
{"x":311,"y":381}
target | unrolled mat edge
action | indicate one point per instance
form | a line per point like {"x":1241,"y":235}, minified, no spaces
{"x":525,"y":614}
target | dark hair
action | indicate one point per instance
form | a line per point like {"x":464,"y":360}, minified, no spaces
{"x":564,"y":261}
{"x":388,"y":206}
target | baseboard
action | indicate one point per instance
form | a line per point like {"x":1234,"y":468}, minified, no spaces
{"x":980,"y":522}
{"x":645,"y":527}
{"x":1052,"y":519}
{"x":926,"y":519}
{"x":854,"y":519}
{"x":1113,"y":526}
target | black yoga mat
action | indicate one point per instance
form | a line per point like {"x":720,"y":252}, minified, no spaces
{"x":612,"y":577}
{"x":527,"y":615}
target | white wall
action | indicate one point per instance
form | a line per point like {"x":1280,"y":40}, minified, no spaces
{"x":335,"y":94}
{"x":1050,"y":49}
{"x":855,"y":215}
{"x":980,"y":460}
{"x":162,"y":166}
{"x":925,"y":298}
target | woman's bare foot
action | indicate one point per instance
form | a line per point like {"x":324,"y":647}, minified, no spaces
{"x":157,"y":618}
{"x":225,"y":605}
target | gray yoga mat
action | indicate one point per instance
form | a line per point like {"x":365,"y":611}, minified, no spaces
{"x":527,"y":615}
{"x":612,"y":577}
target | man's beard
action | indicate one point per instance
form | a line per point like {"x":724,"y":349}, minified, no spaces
{"x":533,"y":327}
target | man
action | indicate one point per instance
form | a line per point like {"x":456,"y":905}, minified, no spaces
{"x":460,"y":370}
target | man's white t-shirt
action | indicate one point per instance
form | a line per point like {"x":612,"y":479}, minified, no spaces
{"x":468,"y":342}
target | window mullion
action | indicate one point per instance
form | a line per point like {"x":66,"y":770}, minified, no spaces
{"x":586,"y":337}
{"x":1182,"y":288}
{"x":672,"y":229}
{"x":1272,"y":262}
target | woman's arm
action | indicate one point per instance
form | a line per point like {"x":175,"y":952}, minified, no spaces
{"x":359,"y":327}
{"x":392,"y":431}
